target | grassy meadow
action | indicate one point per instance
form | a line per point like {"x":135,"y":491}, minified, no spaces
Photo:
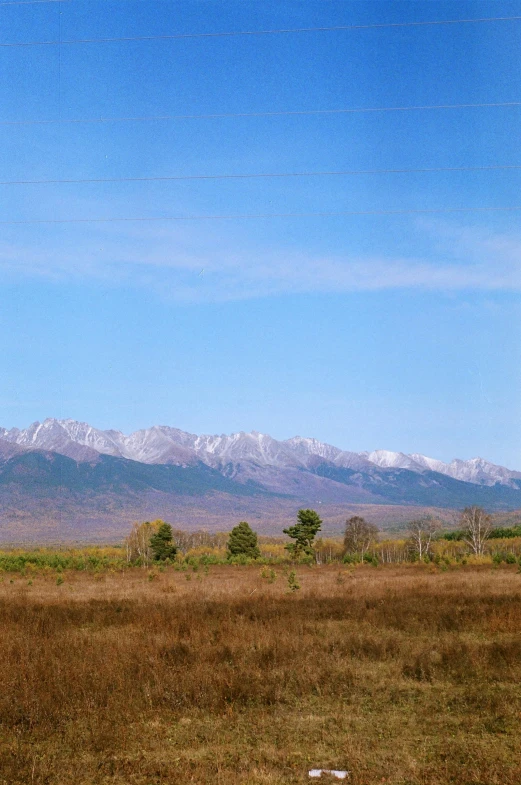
{"x":401,"y":674}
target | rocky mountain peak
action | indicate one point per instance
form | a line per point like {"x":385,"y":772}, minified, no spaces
{"x":163,"y":444}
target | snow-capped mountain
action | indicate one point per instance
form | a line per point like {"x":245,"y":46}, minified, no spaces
{"x":64,"y":479}
{"x":393,"y":460}
{"x":166,"y":445}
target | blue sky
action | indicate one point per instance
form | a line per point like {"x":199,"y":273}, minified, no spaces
{"x":367,"y":331}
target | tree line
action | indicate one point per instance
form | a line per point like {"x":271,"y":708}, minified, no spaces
{"x":157,"y":541}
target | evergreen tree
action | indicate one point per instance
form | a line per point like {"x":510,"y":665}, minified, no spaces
{"x":303,"y":532}
{"x":243,"y":541}
{"x":162,"y":543}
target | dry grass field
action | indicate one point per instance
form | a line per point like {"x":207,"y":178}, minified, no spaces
{"x":402,"y":675}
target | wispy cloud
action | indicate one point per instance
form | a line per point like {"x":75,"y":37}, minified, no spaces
{"x":180,"y":264}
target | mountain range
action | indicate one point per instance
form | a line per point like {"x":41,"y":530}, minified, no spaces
{"x":62,"y":475}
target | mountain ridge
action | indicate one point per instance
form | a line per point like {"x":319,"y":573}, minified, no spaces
{"x":162,"y":444}
{"x":62,"y":479}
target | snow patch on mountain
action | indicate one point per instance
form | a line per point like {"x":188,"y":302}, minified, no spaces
{"x":162,"y":444}
{"x":305,"y":447}
{"x":392,"y":460}
{"x":256,"y":447}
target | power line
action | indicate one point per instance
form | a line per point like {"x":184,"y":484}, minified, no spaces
{"x":330,"y":173}
{"x":232,"y":33}
{"x":240,"y":216}
{"x":282,"y":113}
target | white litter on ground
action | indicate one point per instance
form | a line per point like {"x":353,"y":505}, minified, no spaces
{"x":340,"y":775}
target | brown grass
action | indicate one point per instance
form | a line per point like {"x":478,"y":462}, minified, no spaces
{"x":401,"y":675}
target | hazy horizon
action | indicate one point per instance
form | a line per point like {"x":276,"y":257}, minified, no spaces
{"x":396,"y":328}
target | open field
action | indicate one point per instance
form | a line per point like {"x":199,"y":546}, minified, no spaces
{"x":405,"y":675}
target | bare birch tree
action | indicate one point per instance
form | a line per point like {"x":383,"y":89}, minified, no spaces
{"x":421,"y":533}
{"x":476,"y":525}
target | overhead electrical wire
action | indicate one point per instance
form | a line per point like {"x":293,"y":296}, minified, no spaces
{"x":261,"y":175}
{"x":255,"y":114}
{"x":233,"y":33}
{"x":242,"y":216}
{"x":282,"y":113}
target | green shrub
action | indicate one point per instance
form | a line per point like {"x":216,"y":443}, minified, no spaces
{"x":293,"y":584}
{"x":269,"y":575}
{"x":240,"y":559}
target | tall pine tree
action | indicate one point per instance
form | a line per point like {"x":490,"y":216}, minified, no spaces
{"x":162,"y":543}
{"x":303,"y":532}
{"x":243,"y":541}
